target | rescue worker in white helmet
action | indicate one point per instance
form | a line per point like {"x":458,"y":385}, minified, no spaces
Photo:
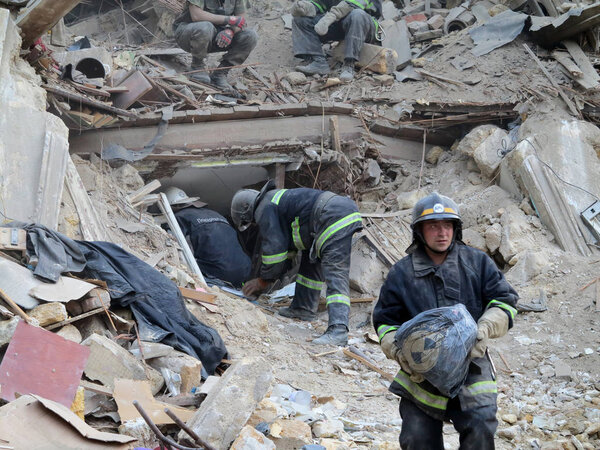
{"x":320,"y":225}
{"x":214,"y":241}
{"x":440,"y":270}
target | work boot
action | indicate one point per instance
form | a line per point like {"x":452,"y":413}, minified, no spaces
{"x":347,"y":72}
{"x":202,"y":77}
{"x":318,"y":66}
{"x":297,"y":313}
{"x":335,"y":335}
{"x":219,"y":78}
{"x":306,"y":60}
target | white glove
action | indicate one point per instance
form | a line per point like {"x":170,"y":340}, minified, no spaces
{"x":392,"y":351}
{"x":304,"y":8}
{"x":338,"y":12}
{"x":492,"y":324}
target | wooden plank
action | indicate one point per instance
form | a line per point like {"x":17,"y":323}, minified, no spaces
{"x":590,"y":76}
{"x":137,"y":85}
{"x":39,"y":16}
{"x":363,"y":300}
{"x":73,"y":96}
{"x":381,"y":252}
{"x":91,"y":227}
{"x":279,"y":175}
{"x":95,"y":387}
{"x":334,"y":131}
{"x":371,"y":366}
{"x":165,"y":207}
{"x":136,"y":196}
{"x":200,"y":296}
{"x":16,"y":308}
{"x":74,"y":319}
{"x":51,"y":179}
{"x":562,"y":94}
{"x":564,"y":59}
{"x":42,"y":363}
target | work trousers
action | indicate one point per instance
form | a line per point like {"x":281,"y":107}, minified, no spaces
{"x":355,"y":29}
{"x":198,"y":38}
{"x":476,"y":427}
{"x":333,"y":266}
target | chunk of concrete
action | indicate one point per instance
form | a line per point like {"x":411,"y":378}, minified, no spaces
{"x":487,"y":154}
{"x":474,"y":239}
{"x":529,"y":265}
{"x":328,"y":428}
{"x":250,"y":439}
{"x":433,"y":155}
{"x":493,"y":237}
{"x":397,"y":37}
{"x":436,"y":22}
{"x":70,"y":333}
{"x":296,"y":78}
{"x":367,"y":272}
{"x":474,"y":139}
{"x":7,"y":329}
{"x":108,"y":361}
{"x":228,"y":406}
{"x":188,"y":367}
{"x":49,"y":313}
{"x":289,"y":434}
{"x":372,"y":172}
{"x":516,"y":233}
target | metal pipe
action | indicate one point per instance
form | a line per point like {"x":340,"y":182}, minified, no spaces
{"x":188,"y":430}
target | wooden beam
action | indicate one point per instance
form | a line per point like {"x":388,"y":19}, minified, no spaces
{"x":371,"y":366}
{"x":165,"y":207}
{"x":279,"y":175}
{"x":74,"y":319}
{"x":136,"y":196}
{"x":334,"y":131}
{"x":39,"y":16}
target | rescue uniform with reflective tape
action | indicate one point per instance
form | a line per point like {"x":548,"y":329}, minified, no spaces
{"x":215,"y":244}
{"x":355,"y":29}
{"x":415,"y":284}
{"x":320,"y":225}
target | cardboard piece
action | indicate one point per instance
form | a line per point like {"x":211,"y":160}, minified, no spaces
{"x":126,"y":391}
{"x":40,"y":362}
{"x":35,"y":422}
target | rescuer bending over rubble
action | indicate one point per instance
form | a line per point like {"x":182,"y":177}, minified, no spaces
{"x":214,"y":241}
{"x":320,"y":225}
{"x":440,"y":271}
{"x":319,"y":21}
{"x":208,"y":26}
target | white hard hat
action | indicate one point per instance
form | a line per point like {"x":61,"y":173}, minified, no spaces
{"x":178,"y":197}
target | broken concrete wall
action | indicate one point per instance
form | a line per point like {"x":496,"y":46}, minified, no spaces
{"x":33,"y":143}
{"x":556,"y":164}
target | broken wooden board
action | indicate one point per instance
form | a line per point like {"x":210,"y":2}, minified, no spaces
{"x":126,"y":391}
{"x":137,"y":85}
{"x":39,"y":16}
{"x":199,"y":296}
{"x":42,"y":363}
{"x":590,"y":78}
{"x":372,"y":57}
{"x":35,"y":422}
{"x":91,"y":227}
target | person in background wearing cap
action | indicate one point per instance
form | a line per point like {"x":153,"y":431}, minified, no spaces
{"x":214,"y":241}
{"x":440,"y":270}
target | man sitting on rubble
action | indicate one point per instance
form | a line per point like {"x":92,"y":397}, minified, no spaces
{"x":208,"y":26}
{"x":320,"y":225}
{"x":214,"y":241}
{"x":440,"y":270}
{"x":319,"y":21}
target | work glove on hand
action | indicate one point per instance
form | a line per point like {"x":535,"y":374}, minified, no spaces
{"x":492,"y":324}
{"x":338,"y":12}
{"x":304,"y":8}
{"x":392,"y":351}
{"x":236,"y":21}
{"x":254,"y":287}
{"x":224,"y":37}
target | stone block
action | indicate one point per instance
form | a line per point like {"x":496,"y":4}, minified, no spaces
{"x":372,"y":172}
{"x":493,"y":237}
{"x":417,"y":27}
{"x":250,"y":439}
{"x":91,"y":325}
{"x":516,"y":233}
{"x":49,"y":313}
{"x":266,"y":411}
{"x":486,"y":154}
{"x":328,"y":428}
{"x":70,"y":333}
{"x":108,"y":361}
{"x":433,"y":155}
{"x":188,"y":367}
{"x":296,"y":78}
{"x":288,"y":434}
{"x":7,"y":329}
{"x":229,"y":405}
{"x":474,"y":138}
{"x":436,"y":22}
{"x":474,"y":239}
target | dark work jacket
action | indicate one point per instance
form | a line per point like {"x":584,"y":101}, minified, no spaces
{"x":215,"y":244}
{"x":325,"y":5}
{"x":284,"y":220}
{"x":414,"y":285}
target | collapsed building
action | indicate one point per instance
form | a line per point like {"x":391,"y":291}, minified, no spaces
{"x":493,"y":103}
